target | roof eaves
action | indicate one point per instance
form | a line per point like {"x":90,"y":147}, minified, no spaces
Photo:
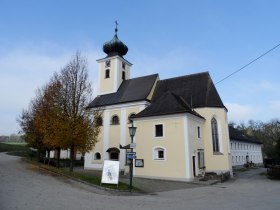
{"x":118,"y":103}
{"x":169,"y":113}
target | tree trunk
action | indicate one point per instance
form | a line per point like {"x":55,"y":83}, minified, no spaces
{"x":58,"y":157}
{"x":72,"y":157}
{"x":39,"y":154}
{"x":48,"y":155}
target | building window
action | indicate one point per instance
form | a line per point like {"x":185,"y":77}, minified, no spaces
{"x":198,"y":132}
{"x":159,"y":130}
{"x":130,"y":116}
{"x":215,"y":137}
{"x":97,"y":156}
{"x":200,"y":157}
{"x":123,"y":75}
{"x":107,"y":64}
{"x":123,"y":65}
{"x":114,"y":156}
{"x":113,"y":153}
{"x":159,"y":153}
{"x":107,"y":73}
{"x":115,"y":120}
{"x":99,"y":121}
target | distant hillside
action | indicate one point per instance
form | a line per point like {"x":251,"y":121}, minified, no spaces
{"x":11,"y":138}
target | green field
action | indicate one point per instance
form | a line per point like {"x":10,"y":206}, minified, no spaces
{"x":15,"y":148}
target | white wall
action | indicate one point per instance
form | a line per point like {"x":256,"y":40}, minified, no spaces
{"x":240,"y":149}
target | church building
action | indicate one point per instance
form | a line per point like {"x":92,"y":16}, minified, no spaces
{"x":182,"y":128}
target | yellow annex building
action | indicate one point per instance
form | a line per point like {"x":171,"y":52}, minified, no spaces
{"x":182,"y":127}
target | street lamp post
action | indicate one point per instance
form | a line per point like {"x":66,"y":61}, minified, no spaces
{"x":132,"y":131}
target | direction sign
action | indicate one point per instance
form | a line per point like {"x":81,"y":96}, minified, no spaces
{"x":132,"y":145}
{"x":131,"y":155}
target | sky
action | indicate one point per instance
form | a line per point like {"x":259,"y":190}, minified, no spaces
{"x":172,"y":38}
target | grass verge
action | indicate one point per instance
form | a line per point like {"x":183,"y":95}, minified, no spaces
{"x":16,"y":149}
{"x":94,"y":180}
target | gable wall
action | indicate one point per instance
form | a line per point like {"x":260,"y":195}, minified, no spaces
{"x":153,"y":90}
{"x":180,"y":142}
{"x":216,"y":162}
{"x":172,"y":141}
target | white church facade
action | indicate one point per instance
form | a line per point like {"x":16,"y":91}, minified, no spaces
{"x":181,"y":122}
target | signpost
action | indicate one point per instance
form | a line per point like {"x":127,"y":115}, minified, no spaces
{"x":132,"y":145}
{"x":131,"y":155}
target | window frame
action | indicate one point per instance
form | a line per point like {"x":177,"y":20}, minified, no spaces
{"x":114,"y":122}
{"x":155,"y":130}
{"x":123,"y":75}
{"x":107,"y":73}
{"x":215,"y":135}
{"x":198,"y":132}
{"x":129,"y":121}
{"x":99,"y":121}
{"x":201,"y":159}
{"x":95,"y":154}
{"x":156,"y":153}
{"x":123,"y":65}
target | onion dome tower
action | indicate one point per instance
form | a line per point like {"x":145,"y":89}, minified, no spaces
{"x":115,"y":46}
{"x":113,"y":69}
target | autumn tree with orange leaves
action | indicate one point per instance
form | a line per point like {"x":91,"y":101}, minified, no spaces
{"x":60,"y":114}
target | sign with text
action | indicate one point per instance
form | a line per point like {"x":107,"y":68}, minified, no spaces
{"x":110,"y":173}
{"x":131,"y":155}
{"x":132,"y":145}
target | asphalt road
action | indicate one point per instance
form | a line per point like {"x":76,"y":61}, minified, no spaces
{"x":23,"y":186}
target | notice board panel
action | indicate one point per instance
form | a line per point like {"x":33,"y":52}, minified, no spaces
{"x":110,"y":173}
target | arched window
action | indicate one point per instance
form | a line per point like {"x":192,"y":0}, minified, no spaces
{"x":130,"y":116}
{"x":113,"y":153}
{"x":97,"y":156}
{"x":159,"y":153}
{"x":215,"y":136}
{"x":115,"y":120}
{"x":99,"y":121}
{"x":107,"y":73}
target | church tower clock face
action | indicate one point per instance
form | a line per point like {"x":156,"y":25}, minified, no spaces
{"x":107,"y":64}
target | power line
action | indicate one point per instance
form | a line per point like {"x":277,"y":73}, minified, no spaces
{"x":248,"y":64}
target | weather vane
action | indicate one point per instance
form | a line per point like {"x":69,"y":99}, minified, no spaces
{"x":116,"y":29}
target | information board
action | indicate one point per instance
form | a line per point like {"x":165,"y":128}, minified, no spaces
{"x":110,"y":173}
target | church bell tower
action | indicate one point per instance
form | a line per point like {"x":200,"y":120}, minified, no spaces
{"x":113,"y":69}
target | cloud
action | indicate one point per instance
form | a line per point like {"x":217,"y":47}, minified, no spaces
{"x":22,"y":71}
{"x":257,"y":86}
{"x":238,"y":112}
{"x":265,"y":85}
{"x":274,"y":106}
{"x":244,"y":113}
{"x":170,"y":64}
